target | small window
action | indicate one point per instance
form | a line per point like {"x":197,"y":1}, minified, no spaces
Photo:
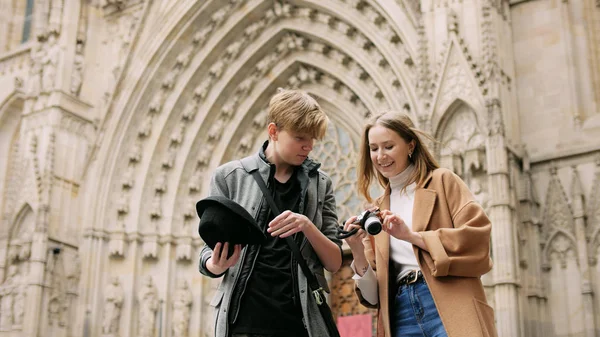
{"x":27,"y":21}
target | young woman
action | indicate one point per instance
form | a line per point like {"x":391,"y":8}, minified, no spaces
{"x":423,"y":270}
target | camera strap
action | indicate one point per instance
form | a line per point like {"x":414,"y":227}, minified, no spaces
{"x":316,"y":289}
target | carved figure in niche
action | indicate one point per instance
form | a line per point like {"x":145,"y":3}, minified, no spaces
{"x":77,"y":75}
{"x":35,"y":79}
{"x":50,"y":63}
{"x":6,"y":300}
{"x":19,"y":304}
{"x":479,"y":191}
{"x":113,"y":301}
{"x":148,"y":300}
{"x":182,"y":303}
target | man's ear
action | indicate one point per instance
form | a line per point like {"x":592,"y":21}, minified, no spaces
{"x":272,"y":130}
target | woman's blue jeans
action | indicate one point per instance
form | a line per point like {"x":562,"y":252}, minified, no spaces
{"x":415,"y":314}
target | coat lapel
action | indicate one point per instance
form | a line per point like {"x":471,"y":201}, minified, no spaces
{"x":422,"y":209}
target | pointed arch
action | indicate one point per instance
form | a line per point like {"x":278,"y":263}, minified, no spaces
{"x":169,"y":86}
{"x":461,"y":139}
{"x":456,"y":82}
{"x":11,"y":110}
{"x":559,"y":242}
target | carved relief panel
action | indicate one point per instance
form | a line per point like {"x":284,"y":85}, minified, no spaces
{"x":462,"y":150}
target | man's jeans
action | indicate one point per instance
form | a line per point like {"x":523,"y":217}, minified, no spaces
{"x":415,"y":314}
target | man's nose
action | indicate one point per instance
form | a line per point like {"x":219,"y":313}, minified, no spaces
{"x":308,"y":146}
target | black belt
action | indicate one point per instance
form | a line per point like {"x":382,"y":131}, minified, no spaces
{"x":410,"y":277}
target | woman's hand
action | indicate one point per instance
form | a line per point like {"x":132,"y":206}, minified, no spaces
{"x":395,"y":226}
{"x":218,"y":263}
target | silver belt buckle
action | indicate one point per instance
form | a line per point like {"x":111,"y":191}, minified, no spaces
{"x":415,"y":278}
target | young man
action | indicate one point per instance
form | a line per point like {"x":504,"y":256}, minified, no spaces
{"x":263,"y":291}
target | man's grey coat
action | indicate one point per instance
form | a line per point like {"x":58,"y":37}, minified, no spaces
{"x":234,"y":180}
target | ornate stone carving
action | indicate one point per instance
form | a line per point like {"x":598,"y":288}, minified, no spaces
{"x":123,"y":203}
{"x":34,"y":83}
{"x":561,"y":249}
{"x":150,"y":247}
{"x":593,"y":222}
{"x":182,"y":303}
{"x":185,"y":57}
{"x":146,"y":127}
{"x":178,"y":133}
{"x":77,"y":72}
{"x":169,"y":160}
{"x":216,"y":130}
{"x":156,"y":208}
{"x":202,"y":35}
{"x":117,"y":242}
{"x":156,"y":103}
{"x":195,"y":184}
{"x":495,"y":120}
{"x":55,"y":17}
{"x":205,"y":155}
{"x":135,"y":154}
{"x":202,"y":90}
{"x":20,"y":296}
{"x":113,"y":302}
{"x":8,"y":290}
{"x":148,"y":306}
{"x":50,"y":63}
{"x":161,"y":182}
{"x":189,"y":112}
{"x":558,"y":214}
{"x":128,"y":180}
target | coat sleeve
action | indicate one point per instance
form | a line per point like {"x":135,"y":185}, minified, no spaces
{"x":464,"y":249}
{"x":218,"y":186}
{"x":369,"y":245}
{"x":330,"y":219}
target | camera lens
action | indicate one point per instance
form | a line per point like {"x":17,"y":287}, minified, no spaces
{"x":373,"y":225}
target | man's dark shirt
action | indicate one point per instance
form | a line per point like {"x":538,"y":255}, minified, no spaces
{"x":269,"y":304}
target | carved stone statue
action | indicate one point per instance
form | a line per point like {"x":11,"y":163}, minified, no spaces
{"x":6,"y":300}
{"x":148,"y":301}
{"x":77,"y":75}
{"x":35,"y":80}
{"x":19,"y":305}
{"x":182,"y":303}
{"x":113,"y":301}
{"x":50,"y":63}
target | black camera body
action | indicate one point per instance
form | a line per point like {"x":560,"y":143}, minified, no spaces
{"x":369,"y":220}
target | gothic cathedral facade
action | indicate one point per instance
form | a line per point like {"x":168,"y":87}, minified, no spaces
{"x":113,"y":113}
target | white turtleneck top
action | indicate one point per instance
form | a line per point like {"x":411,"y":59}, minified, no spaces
{"x":401,"y":252}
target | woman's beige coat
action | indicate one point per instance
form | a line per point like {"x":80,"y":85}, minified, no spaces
{"x":456,"y":232}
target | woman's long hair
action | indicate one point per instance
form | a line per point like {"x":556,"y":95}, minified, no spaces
{"x":421,"y":158}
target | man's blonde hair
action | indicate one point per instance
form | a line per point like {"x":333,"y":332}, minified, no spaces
{"x":297,"y":111}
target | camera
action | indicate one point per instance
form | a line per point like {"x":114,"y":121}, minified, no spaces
{"x":369,"y":220}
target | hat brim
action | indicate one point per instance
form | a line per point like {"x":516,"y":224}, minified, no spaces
{"x":239,"y":228}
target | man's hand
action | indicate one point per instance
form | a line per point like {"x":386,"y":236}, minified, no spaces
{"x":288,"y":223}
{"x":218,"y":263}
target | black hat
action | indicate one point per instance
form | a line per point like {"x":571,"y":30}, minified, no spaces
{"x":224,"y":220}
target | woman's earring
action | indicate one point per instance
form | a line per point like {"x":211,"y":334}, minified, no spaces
{"x":410,"y":155}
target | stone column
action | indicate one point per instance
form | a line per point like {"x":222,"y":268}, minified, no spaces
{"x":37,"y":266}
{"x":504,"y":236}
{"x":529,"y":206}
{"x":577,"y":202}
